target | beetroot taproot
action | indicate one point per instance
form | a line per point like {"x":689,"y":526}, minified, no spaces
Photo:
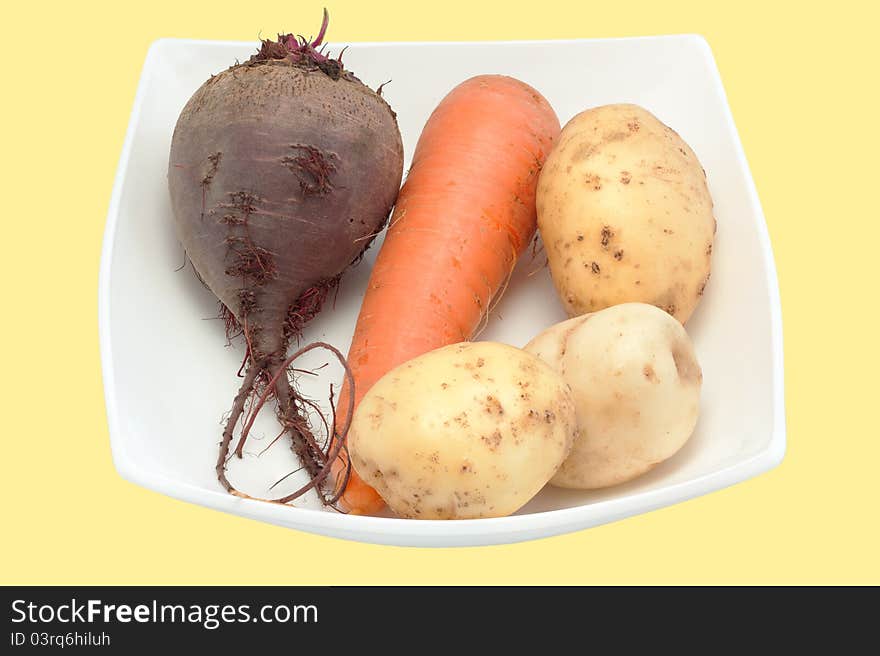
{"x":282,"y":169}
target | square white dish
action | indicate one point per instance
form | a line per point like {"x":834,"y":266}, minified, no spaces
{"x":168,"y":379}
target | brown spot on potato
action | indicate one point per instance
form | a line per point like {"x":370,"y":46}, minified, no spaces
{"x":617,"y":135}
{"x":595,"y":268}
{"x":688,"y":369}
{"x":606,"y":236}
{"x":633,"y":125}
{"x":650,"y":374}
{"x":593,"y":181}
{"x":702,"y":287}
{"x":444,"y":385}
{"x":625,"y":177}
{"x":584,"y":151}
{"x":660,"y":171}
{"x":618,"y":255}
{"x":581,"y":238}
{"x":549,"y":416}
{"x":493,"y":406}
{"x":480,"y":362}
{"x":492,"y":441}
{"x":527,"y":367}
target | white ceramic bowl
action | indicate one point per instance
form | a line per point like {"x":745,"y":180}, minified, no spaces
{"x":169,"y":375}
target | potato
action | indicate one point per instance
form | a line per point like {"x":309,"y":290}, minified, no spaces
{"x":469,"y":430}
{"x":625,"y":214}
{"x":636,"y":385}
{"x":549,"y":345}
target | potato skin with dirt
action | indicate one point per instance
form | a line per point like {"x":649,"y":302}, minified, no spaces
{"x":625,"y":214}
{"x":468,"y":430}
{"x":636,"y":385}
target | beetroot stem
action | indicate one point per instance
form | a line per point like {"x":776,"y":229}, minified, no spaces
{"x":323,"y":30}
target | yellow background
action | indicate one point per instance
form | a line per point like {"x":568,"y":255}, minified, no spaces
{"x":803,"y":86}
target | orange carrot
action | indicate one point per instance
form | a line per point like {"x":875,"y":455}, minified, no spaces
{"x":463,"y":217}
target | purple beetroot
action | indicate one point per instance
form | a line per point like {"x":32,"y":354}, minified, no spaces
{"x":282,"y":169}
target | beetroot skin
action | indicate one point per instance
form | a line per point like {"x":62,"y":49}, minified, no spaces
{"x":282,"y":169}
